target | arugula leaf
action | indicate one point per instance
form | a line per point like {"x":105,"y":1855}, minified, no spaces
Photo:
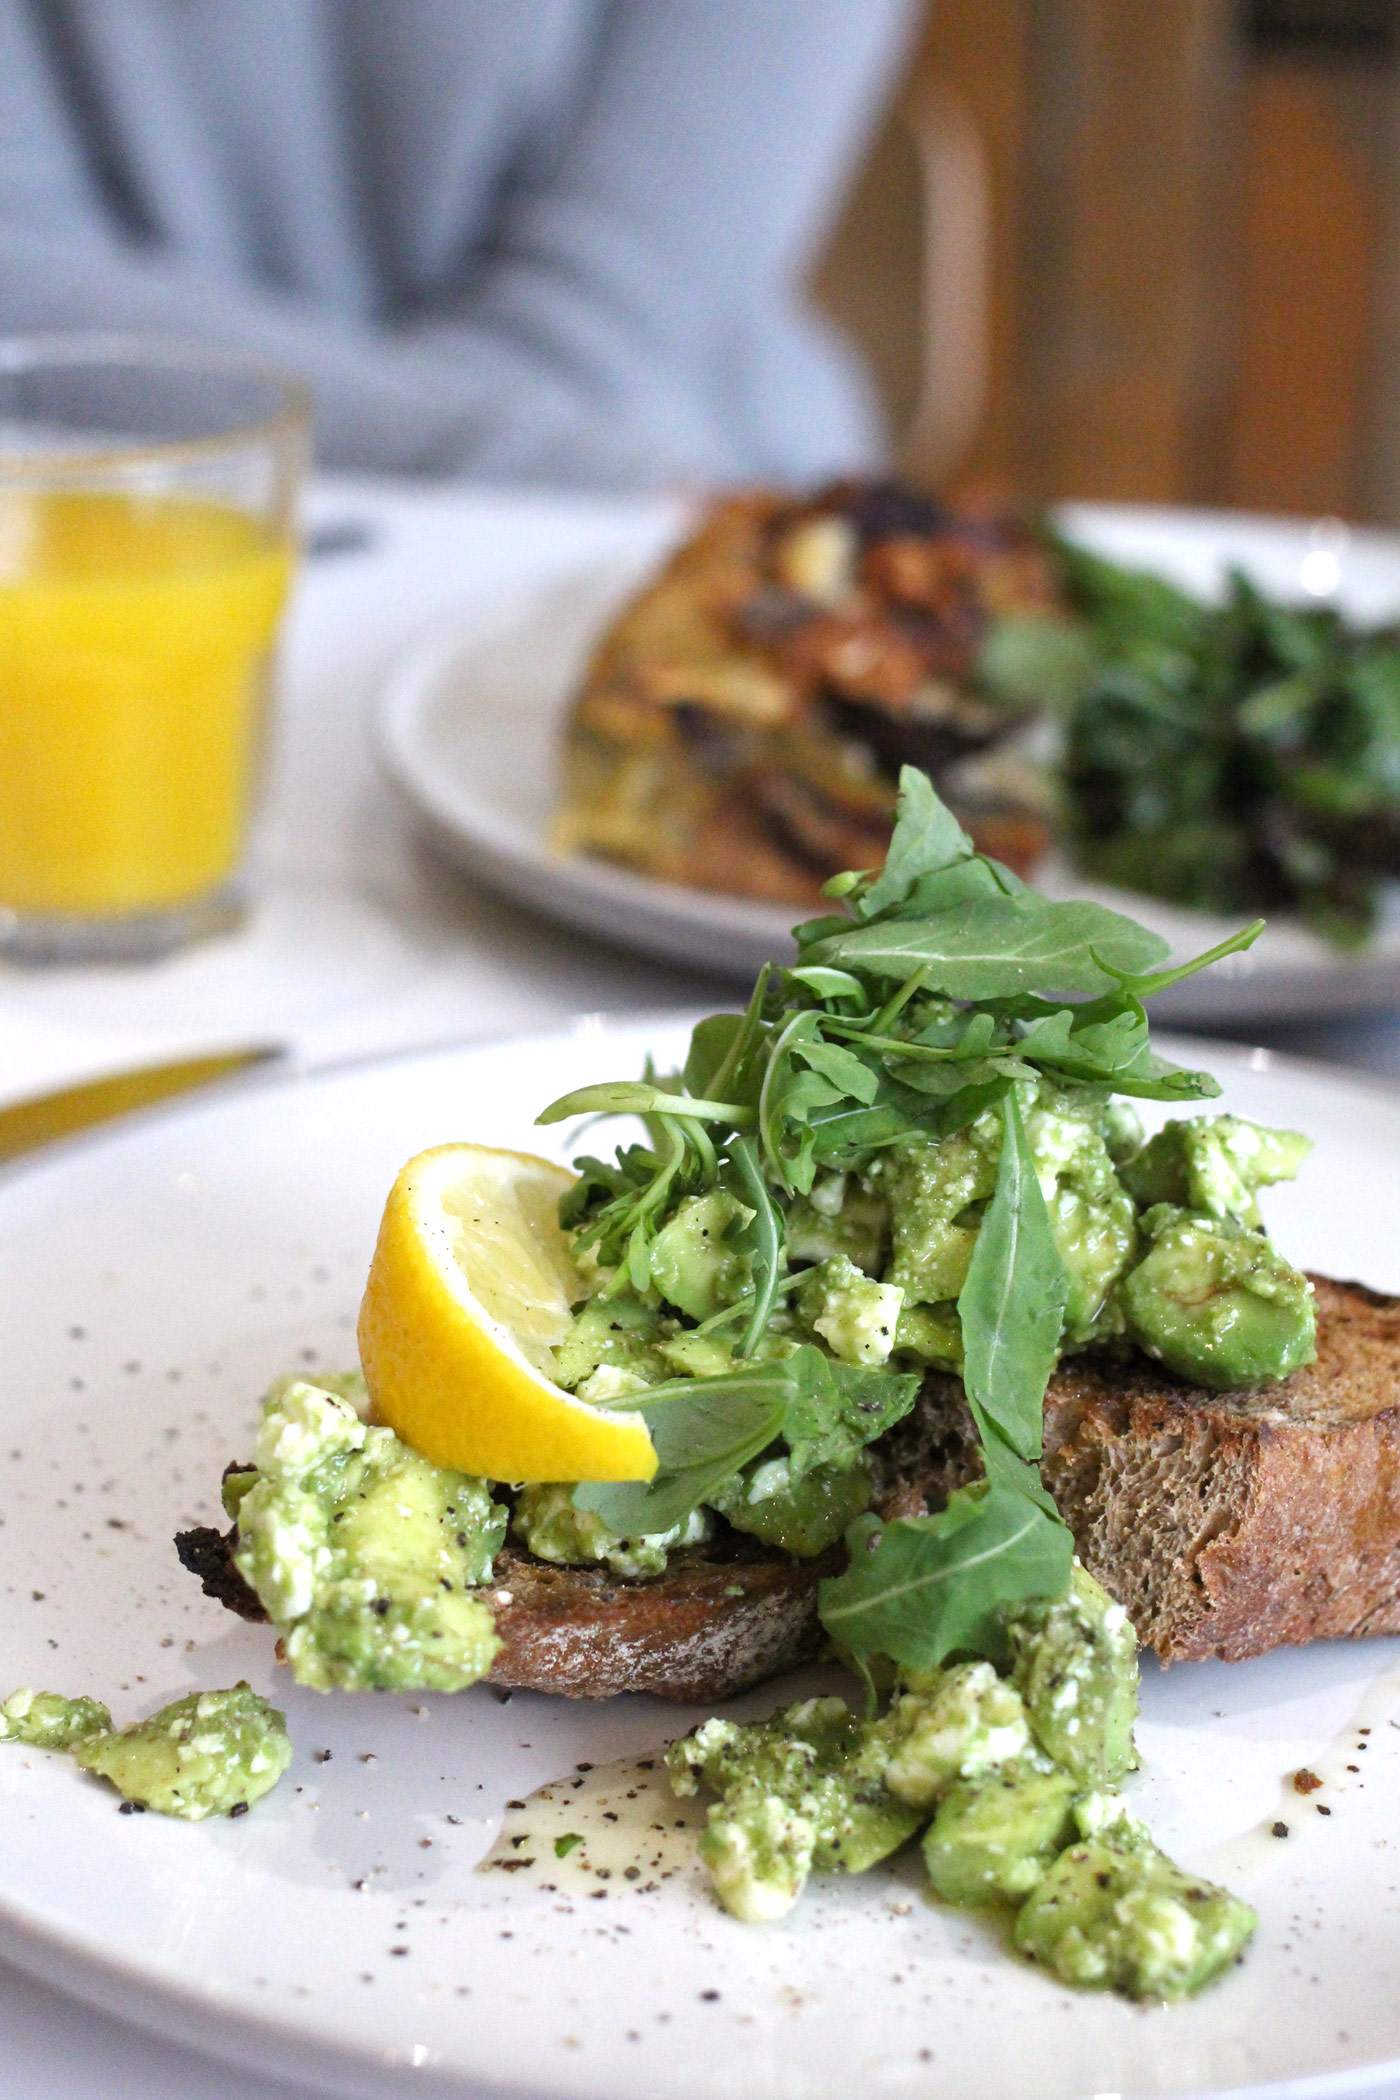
{"x":959,"y":884}
{"x":831,"y":1420}
{"x":1113,"y":1050}
{"x":845,"y":1130}
{"x":1013,"y":1301}
{"x":1000,"y":946}
{"x":722,"y":1054}
{"x":927,"y":837}
{"x":1146,"y":985}
{"x":842,"y":1067}
{"x":761,"y":1238}
{"x":635,"y":1097}
{"x":941,"y":1081}
{"x":920,"y":1589}
{"x":704,"y":1429}
{"x":813,"y":930}
{"x":828,"y":984}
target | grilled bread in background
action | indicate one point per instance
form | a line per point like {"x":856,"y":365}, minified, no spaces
{"x":742,"y":723}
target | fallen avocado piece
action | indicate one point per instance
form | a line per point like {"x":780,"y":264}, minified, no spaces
{"x":49,"y":1721}
{"x":207,"y":1754}
{"x":992,"y":1839}
{"x":1117,"y":1914}
{"x":1074,"y":1662}
{"x":794,"y":1796}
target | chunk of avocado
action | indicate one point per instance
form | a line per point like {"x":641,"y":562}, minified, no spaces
{"x":800,"y":1513}
{"x":692,"y":1263}
{"x":1116,"y":1914}
{"x":207,"y":1754}
{"x":992,"y":1839}
{"x":1215,"y":1165}
{"x":49,"y":1721}
{"x":853,"y":1314}
{"x":1216,"y":1302}
{"x":1074,"y":1662}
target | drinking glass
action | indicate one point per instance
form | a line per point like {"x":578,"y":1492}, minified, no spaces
{"x":147,"y":500}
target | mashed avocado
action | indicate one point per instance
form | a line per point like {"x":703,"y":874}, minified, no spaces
{"x":1010,"y":1775}
{"x":207,"y":1754}
{"x":366,"y":1557}
{"x":49,"y":1721}
{"x":795,"y":1794}
{"x":1104,"y":1191}
{"x":1115,"y":1914}
{"x":548,"y":1525}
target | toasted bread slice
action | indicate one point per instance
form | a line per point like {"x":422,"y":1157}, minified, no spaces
{"x":1226,"y":1523}
{"x":718,"y":1621}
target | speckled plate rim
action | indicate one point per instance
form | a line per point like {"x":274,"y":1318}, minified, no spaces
{"x":260,"y":2039}
{"x":733,"y":935}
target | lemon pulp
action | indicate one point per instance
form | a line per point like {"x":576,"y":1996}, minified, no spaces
{"x":471,"y":1287}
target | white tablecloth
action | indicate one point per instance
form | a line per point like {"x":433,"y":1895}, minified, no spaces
{"x":359,"y":943}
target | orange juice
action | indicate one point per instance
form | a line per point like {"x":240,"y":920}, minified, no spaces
{"x":135,"y":644}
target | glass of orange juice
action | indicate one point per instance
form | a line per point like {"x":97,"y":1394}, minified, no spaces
{"x":147,"y":499}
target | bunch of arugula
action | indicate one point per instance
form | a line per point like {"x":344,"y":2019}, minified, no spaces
{"x":1245,"y":753}
{"x":941,"y":983}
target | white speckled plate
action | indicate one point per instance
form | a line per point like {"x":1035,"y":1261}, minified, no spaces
{"x":153,"y":1280}
{"x":470,"y":722}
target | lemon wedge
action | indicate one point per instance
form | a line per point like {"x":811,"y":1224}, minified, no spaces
{"x":470,"y":1289}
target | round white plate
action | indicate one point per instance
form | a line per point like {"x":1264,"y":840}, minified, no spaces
{"x":469,"y":726}
{"x":154,"y":1280}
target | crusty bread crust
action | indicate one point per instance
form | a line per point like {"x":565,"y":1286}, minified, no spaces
{"x":707,"y":1630}
{"x":715,"y":1624}
{"x":1226,"y":1523}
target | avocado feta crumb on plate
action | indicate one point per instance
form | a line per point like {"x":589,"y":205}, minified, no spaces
{"x":206,"y":1754}
{"x":1012,"y":1778}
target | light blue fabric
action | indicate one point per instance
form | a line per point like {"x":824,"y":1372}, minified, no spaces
{"x":527,"y":240}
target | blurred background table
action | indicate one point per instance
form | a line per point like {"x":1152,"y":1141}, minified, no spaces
{"x":360,"y":941}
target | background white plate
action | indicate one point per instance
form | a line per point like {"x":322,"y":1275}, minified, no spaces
{"x":469,"y":728}
{"x":154,"y":1280}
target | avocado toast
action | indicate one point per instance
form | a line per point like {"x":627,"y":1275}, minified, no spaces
{"x":894,"y":1238}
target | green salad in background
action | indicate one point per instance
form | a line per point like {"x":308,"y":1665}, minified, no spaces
{"x":1234,"y":756}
